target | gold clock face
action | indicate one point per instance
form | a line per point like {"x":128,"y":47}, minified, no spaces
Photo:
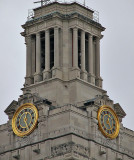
{"x":25,"y":120}
{"x":108,"y":122}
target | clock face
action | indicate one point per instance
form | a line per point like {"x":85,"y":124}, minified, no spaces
{"x":108,"y":122}
{"x":25,"y":119}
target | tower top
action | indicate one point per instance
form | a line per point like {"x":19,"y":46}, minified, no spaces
{"x":45,"y":4}
{"x":63,"y":53}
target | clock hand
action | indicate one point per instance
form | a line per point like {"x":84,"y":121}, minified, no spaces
{"x":25,"y":120}
{"x":108,"y":122}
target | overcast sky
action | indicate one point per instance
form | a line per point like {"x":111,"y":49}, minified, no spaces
{"x":117,"y":51}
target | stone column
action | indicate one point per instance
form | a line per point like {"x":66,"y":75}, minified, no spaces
{"x":97,"y":57}
{"x":97,"y":63}
{"x":75,"y":73}
{"x":46,"y":72}
{"x":37,"y":76}
{"x":38,"y":53}
{"x":90,"y":60}
{"x":33,"y":54}
{"x":56,"y":47}
{"x":75,"y":47}
{"x":56,"y":69}
{"x":82,"y":50}
{"x":65,"y":50}
{"x":83,"y":70}
{"x":28,"y":61}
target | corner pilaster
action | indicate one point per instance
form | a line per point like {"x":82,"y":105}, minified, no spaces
{"x":91,"y":77}
{"x":28,"y":78}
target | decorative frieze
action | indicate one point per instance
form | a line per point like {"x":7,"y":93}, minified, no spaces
{"x":32,"y":29}
{"x":70,"y":147}
{"x":42,"y":26}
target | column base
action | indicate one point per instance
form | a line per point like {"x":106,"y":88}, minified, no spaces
{"x":91,"y":78}
{"x":37,"y":77}
{"x":28,"y":81}
{"x":46,"y":75}
{"x":74,"y":73}
{"x":56,"y":73}
{"x":98,"y":82}
{"x":83,"y":75}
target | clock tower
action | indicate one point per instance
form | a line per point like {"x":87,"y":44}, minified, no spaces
{"x":64,"y":113}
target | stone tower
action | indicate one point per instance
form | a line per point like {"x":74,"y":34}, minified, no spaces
{"x":63,"y":53}
{"x":63,"y":82}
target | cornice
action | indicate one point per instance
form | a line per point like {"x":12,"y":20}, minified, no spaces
{"x":63,"y":17}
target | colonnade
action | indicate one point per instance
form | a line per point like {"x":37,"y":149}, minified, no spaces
{"x":93,"y":73}
{"x":93,"y":42}
{"x":38,"y":71}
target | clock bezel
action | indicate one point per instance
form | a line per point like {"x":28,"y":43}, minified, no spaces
{"x":31,"y":129}
{"x":107,"y":135}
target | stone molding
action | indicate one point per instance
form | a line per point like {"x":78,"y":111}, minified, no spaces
{"x":119,"y":111}
{"x":11,"y":107}
{"x":64,"y":17}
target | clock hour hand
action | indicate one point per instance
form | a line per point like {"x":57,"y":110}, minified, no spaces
{"x":25,"y":120}
{"x":108,"y":122}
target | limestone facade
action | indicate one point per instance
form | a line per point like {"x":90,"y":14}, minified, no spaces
{"x":66,"y":132}
{"x":63,"y":81}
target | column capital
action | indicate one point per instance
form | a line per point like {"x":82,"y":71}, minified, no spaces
{"x":75,"y":29}
{"x":27,"y":39}
{"x":56,"y":27}
{"x":38,"y":34}
{"x":90,"y":36}
{"x":97,"y":39}
{"x":82,"y":31}
{"x":47,"y":31}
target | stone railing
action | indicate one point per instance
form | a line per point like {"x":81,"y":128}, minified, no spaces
{"x":95,"y":14}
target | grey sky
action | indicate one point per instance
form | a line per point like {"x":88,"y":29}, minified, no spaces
{"x":117,"y":51}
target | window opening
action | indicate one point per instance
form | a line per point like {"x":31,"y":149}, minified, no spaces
{"x":51,"y":48}
{"x":86,"y":52}
{"x":72,"y":48}
{"x":94,"y":55}
{"x":42,"y":39}
{"x":79,"y":49}
{"x":34,"y":51}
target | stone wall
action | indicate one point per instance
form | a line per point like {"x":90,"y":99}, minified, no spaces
{"x":63,"y":133}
